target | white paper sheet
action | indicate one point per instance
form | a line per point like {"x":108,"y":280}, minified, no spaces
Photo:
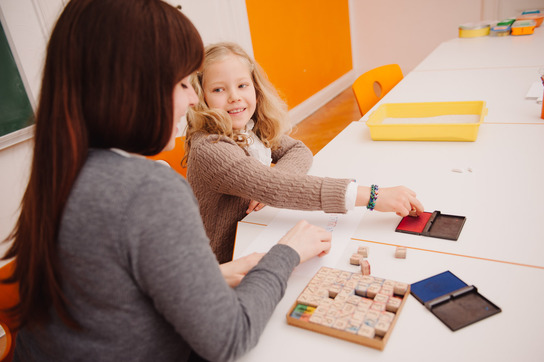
{"x":445,"y":119}
{"x":342,"y":227}
{"x":536,"y":91}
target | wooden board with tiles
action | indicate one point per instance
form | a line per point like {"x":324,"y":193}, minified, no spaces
{"x":352,"y":306}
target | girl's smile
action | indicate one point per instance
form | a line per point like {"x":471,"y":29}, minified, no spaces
{"x":237,"y":111}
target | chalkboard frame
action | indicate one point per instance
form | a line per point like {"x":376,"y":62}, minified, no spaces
{"x":24,"y":132}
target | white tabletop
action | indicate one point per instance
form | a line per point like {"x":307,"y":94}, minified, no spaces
{"x":487,"y":52}
{"x":499,"y":191}
{"x":501,"y":197}
{"x":500,"y":249}
{"x":503,"y":89}
{"x":512,"y":335}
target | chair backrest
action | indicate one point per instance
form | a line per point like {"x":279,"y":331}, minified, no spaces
{"x":371,"y":86}
{"x":173,"y":157}
{"x":9,"y":296}
{"x":6,"y":343}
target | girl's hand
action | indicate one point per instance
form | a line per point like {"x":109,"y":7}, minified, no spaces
{"x":234,"y":271}
{"x":398,"y":199}
{"x":254,"y":206}
{"x":308,"y":240}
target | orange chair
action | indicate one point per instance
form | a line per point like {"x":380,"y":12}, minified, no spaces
{"x":173,"y":157}
{"x":373,"y":85}
{"x":9,"y":296}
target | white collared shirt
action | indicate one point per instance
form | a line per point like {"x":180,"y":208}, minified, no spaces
{"x":130,"y":154}
{"x":256,"y":148}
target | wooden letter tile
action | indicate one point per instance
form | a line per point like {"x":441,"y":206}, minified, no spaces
{"x":382,"y":298}
{"x":381,"y":328}
{"x":400,"y":252}
{"x":365,"y":267}
{"x":393,"y":304}
{"x":363,"y":250}
{"x":400,"y":288}
{"x":355,"y":259}
{"x":372,"y":290}
{"x":366,"y":331}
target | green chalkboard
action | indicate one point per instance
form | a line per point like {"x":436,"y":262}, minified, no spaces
{"x":15,"y":108}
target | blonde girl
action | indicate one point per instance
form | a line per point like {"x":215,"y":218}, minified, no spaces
{"x":270,"y":111}
{"x":236,"y":131}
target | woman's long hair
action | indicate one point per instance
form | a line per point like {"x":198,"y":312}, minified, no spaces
{"x":271,"y":117}
{"x":109,"y":74}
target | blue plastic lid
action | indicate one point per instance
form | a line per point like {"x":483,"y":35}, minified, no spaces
{"x":526,"y":12}
{"x":436,"y":286}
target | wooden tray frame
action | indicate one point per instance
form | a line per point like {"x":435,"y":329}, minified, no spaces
{"x":376,"y":342}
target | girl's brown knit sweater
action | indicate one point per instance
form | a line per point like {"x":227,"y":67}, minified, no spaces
{"x":225,"y":179}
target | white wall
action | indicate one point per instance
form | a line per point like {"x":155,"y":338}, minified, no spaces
{"x":218,"y":20}
{"x":510,"y":8}
{"x":405,"y":32}
{"x":27,"y":24}
{"x":14,"y":168}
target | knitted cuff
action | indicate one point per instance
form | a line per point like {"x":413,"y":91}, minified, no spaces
{"x":333,"y":195}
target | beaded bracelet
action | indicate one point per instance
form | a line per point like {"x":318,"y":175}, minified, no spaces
{"x":373,"y":197}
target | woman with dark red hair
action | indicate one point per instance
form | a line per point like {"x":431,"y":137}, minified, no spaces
{"x":111,"y":256}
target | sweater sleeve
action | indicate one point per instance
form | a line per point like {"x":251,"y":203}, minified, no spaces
{"x":292,"y":156}
{"x":222,"y":166}
{"x":173,"y":265}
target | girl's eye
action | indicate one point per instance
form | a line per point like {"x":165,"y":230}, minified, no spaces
{"x":242,"y":86}
{"x":217,"y":90}
{"x":184,"y":86}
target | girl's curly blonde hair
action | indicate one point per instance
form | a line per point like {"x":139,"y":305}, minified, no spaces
{"x":270,"y":117}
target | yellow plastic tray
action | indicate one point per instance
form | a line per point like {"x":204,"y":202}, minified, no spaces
{"x":431,"y":121}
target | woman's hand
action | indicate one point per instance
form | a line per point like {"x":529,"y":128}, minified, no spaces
{"x":398,"y":199}
{"x":234,"y":271}
{"x":254,"y":206}
{"x":308,"y":240}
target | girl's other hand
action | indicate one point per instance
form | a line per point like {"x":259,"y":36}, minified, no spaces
{"x":398,"y":199}
{"x":308,"y":240}
{"x":254,"y":206}
{"x":234,"y":271}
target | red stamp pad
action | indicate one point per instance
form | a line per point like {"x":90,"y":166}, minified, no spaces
{"x":416,"y":224}
{"x":435,"y":224}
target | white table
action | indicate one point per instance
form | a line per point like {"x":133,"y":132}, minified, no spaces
{"x":501,"y":247}
{"x":503,"y":90}
{"x":512,"y":335}
{"x":503,"y":261}
{"x":487,"y":52}
{"x":502,"y":197}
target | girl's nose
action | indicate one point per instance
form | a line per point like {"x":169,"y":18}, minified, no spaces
{"x":233,"y":96}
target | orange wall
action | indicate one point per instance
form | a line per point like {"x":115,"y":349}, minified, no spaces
{"x":303,"y":45}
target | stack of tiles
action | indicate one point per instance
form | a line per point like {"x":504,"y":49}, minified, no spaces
{"x":359,"y":259}
{"x":361,"y":305}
